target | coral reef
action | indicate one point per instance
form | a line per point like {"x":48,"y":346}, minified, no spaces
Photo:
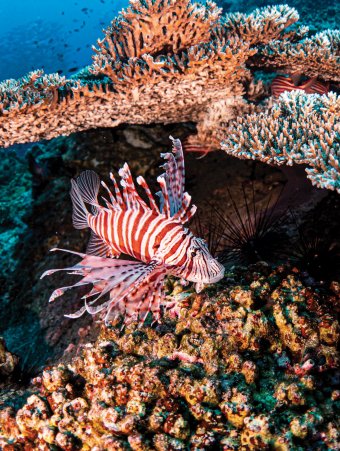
{"x":8,"y":361}
{"x":317,"y":19}
{"x":35,"y":90}
{"x":248,"y":365}
{"x":154,"y":53}
{"x":170,"y":61}
{"x":299,"y":128}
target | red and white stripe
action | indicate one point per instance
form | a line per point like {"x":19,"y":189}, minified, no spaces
{"x":152,"y":234}
{"x":281,"y":84}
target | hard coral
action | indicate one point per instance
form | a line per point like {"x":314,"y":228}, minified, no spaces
{"x":316,"y":56}
{"x":152,"y":55}
{"x":299,"y":128}
{"x":225,"y":375}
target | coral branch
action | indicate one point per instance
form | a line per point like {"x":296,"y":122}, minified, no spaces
{"x":263,"y":25}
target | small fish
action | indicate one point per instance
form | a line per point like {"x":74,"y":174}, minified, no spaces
{"x":153,"y":234}
{"x":281,"y":84}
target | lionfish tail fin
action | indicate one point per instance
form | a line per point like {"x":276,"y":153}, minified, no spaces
{"x":134,"y":289}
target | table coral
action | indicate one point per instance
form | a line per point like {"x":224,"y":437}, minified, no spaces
{"x":164,"y":62}
{"x":240,"y":382}
{"x":298,"y":129}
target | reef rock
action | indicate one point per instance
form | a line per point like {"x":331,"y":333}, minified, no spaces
{"x":247,"y":365}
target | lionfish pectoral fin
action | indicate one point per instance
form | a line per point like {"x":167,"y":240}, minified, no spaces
{"x":96,"y":246}
{"x":143,"y":297}
{"x":134,"y":288}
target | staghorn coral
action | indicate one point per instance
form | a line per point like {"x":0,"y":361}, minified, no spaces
{"x":160,"y":61}
{"x":215,"y":378}
{"x":300,"y":129}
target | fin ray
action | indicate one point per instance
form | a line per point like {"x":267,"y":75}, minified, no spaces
{"x":96,"y":246}
{"x":88,"y":184}
{"x":79,"y":214}
{"x":126,"y":282}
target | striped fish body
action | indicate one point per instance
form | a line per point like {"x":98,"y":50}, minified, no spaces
{"x":137,"y":233}
{"x":153,"y":234}
{"x":281,"y":84}
{"x":150,"y":237}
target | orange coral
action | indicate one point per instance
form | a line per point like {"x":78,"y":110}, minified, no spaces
{"x":166,"y":61}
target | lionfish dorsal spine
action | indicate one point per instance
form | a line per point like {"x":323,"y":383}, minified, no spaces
{"x":130,"y":194}
{"x":153,"y":205}
{"x":174,"y":201}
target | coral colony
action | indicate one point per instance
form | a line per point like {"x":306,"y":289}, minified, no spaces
{"x":246,"y":358}
{"x":176,"y":61}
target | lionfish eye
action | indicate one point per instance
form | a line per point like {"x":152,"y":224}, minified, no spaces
{"x":193,"y":252}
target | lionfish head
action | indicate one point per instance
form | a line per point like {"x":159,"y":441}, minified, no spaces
{"x":201,"y":266}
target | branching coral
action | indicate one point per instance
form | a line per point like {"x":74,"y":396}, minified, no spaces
{"x":160,"y":61}
{"x":178,"y":61}
{"x":299,"y":128}
{"x":263,"y":25}
{"x":30,"y":92}
{"x":216,"y":378}
{"x":316,"y":56}
{"x":154,"y":28}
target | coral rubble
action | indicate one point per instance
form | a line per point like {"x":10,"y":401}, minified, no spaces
{"x":299,"y":128}
{"x":249,"y":366}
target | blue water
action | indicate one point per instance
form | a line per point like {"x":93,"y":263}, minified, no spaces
{"x":54,"y":35}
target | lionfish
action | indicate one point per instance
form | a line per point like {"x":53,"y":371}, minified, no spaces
{"x":152,"y":234}
{"x":281,"y":84}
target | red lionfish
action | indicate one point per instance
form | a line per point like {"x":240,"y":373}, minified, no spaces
{"x":281,"y":84}
{"x":154,"y":235}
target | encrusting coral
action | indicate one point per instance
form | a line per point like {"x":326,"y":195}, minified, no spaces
{"x":300,"y":128}
{"x":249,"y":366}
